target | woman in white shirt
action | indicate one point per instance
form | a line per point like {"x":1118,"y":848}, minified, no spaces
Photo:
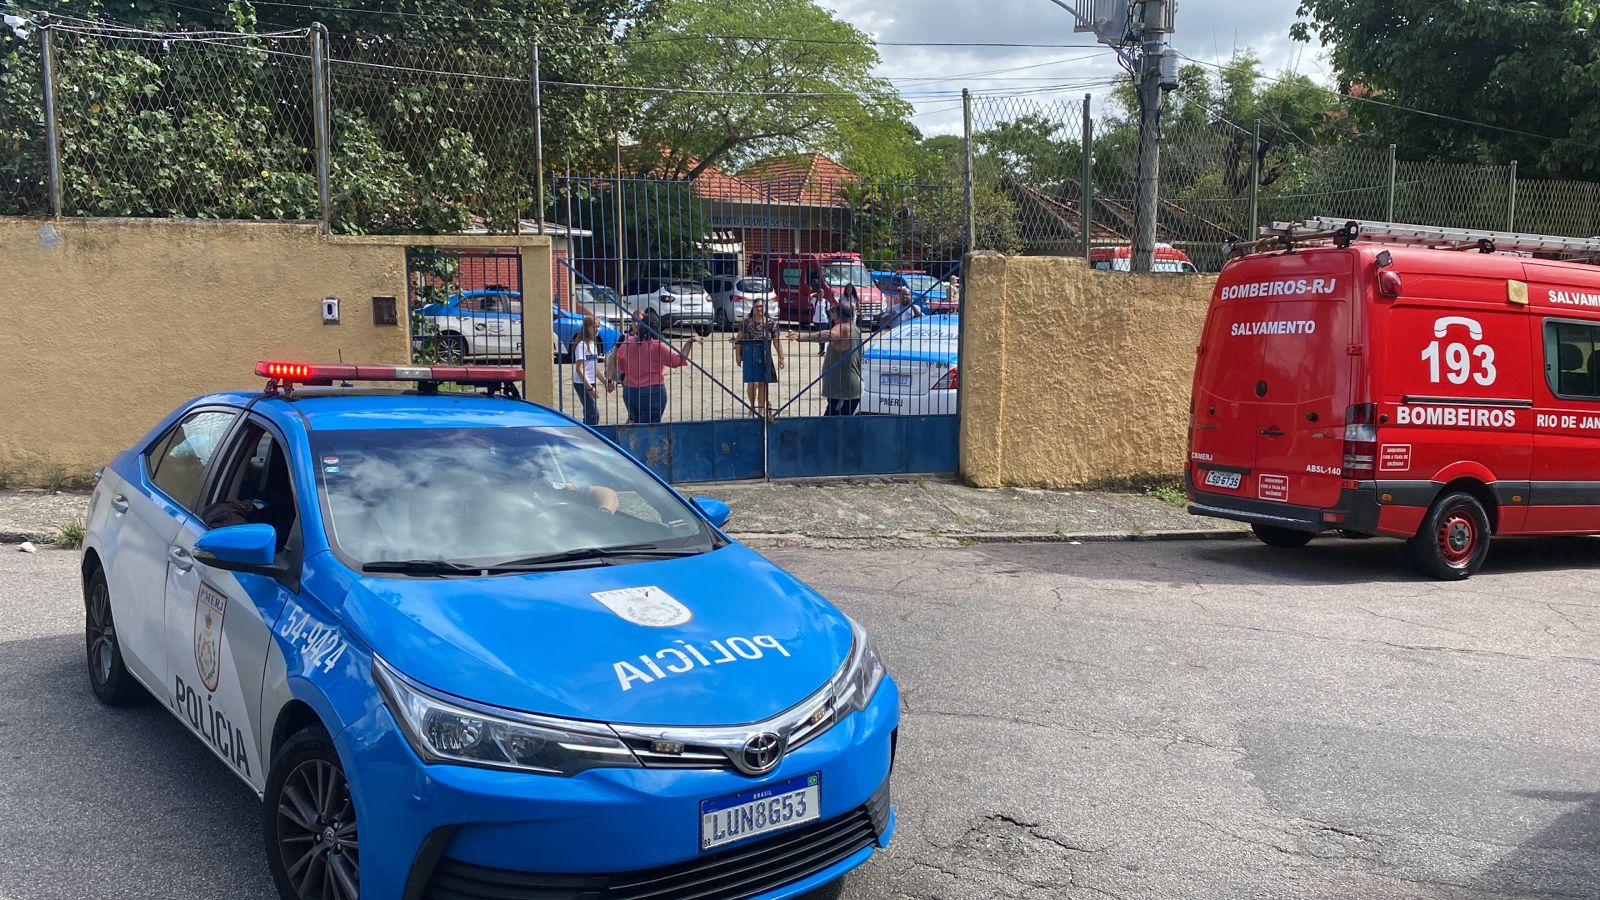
{"x":585,"y":353}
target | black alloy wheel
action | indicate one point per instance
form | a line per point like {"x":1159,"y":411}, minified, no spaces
{"x":310,"y":822}
{"x":450,"y":348}
{"x":108,"y":675}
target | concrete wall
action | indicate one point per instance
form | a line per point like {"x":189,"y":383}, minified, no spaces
{"x":1071,"y":376}
{"x":110,"y":323}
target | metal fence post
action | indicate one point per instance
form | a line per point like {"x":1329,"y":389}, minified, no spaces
{"x":1086,"y":187}
{"x":1388,"y":209}
{"x":1255,"y":183}
{"x":538,"y":146}
{"x":319,"y":110}
{"x":52,"y":131}
{"x":966,"y":152}
{"x":1511,"y":204}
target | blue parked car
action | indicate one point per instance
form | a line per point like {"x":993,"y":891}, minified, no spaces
{"x":929,"y":293}
{"x":465,"y":647}
{"x":485,"y":326}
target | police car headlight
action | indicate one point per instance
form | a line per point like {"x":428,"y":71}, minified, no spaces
{"x":443,"y":730}
{"x":862,"y":674}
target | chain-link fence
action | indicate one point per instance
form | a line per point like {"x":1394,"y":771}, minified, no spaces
{"x":439,"y":138}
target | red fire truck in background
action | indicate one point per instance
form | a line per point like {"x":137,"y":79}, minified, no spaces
{"x":794,"y":277}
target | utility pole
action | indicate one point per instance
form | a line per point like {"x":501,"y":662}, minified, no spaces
{"x":1137,"y":31}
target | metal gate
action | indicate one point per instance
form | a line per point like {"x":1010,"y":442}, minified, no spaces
{"x":465,"y":306}
{"x":699,"y":257}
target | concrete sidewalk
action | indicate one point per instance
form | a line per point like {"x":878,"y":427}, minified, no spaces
{"x":928,"y":512}
{"x":856,"y":512}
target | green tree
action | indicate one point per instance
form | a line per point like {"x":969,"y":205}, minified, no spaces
{"x":809,"y":90}
{"x":1531,"y":67}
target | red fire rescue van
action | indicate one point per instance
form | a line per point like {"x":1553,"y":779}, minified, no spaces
{"x":1359,"y":378}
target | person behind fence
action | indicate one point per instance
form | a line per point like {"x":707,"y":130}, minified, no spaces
{"x":642,"y":362}
{"x":760,"y":356}
{"x":904,"y":310}
{"x":841,"y":360}
{"x":585,"y":356}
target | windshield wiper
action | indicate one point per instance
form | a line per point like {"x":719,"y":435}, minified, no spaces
{"x":592,"y":554}
{"x":421,"y":567}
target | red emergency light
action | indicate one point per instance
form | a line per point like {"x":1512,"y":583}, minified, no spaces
{"x":291,"y":373}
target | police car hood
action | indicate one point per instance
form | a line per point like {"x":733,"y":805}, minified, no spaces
{"x":723,"y":638}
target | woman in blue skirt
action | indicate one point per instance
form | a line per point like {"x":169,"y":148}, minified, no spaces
{"x":760,"y":356}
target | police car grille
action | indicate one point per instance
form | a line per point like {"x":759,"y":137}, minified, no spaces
{"x":692,"y":757}
{"x":746,"y":871}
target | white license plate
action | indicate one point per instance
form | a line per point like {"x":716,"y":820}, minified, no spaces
{"x":889,"y":379}
{"x":1229,"y":480}
{"x":752,"y":813}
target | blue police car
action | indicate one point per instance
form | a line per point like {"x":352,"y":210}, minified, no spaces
{"x":464,"y":647}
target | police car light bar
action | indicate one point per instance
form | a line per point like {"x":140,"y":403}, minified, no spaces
{"x":289,"y":373}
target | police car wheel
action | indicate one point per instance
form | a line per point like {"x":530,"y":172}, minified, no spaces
{"x":450,"y":348}
{"x":309,"y":822}
{"x":108,"y":675}
{"x":1282,"y":538}
{"x":1453,"y":541}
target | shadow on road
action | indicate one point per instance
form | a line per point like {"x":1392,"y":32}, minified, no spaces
{"x":1561,"y":860}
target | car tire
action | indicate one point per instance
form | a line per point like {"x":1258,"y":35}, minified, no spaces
{"x":308,"y":821}
{"x":1453,"y":541}
{"x":450,"y":348}
{"x":113,"y":684}
{"x":1282,"y":538}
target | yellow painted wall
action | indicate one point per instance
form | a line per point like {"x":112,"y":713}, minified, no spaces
{"x":110,"y":323}
{"x":1071,"y":376}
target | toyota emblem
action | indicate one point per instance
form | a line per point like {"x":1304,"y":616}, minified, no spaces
{"x":761,"y":754}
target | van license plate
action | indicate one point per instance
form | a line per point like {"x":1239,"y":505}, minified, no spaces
{"x":1229,"y":480}
{"x":749,"y":814}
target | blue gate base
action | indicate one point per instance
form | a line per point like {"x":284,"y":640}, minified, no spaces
{"x":862,"y":445}
{"x":731,"y":449}
{"x":683,"y":452}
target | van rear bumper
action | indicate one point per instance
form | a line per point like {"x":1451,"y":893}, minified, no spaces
{"x":1357,"y":510}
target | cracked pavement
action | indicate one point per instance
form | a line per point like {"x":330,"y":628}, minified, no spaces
{"x":1206,"y":719}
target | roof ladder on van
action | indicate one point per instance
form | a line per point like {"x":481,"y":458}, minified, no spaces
{"x":1342,"y":232}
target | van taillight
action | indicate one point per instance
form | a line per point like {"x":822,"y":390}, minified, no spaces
{"x":1361,"y":441}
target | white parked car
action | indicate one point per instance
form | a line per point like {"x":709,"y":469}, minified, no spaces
{"x":679,"y":302}
{"x":732,"y":296}
{"x":911,"y":369}
{"x":475,"y":326}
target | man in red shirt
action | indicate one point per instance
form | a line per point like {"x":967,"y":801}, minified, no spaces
{"x":641,"y":363}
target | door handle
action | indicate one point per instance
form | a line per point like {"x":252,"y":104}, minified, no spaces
{"x":181,"y":558}
{"x":120,"y":504}
{"x":1272,"y":432}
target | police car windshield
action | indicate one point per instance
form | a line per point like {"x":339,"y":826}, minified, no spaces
{"x":483,"y":496}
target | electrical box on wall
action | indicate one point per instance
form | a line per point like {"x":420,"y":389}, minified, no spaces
{"x":330,"y":310}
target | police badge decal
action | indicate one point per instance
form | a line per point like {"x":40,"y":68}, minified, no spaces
{"x":210,"y":606}
{"x":648,"y":606}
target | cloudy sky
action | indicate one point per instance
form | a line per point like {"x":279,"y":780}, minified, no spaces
{"x":1206,"y":29}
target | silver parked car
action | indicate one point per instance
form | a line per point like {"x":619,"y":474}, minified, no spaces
{"x":732,"y":296}
{"x":678,"y":301}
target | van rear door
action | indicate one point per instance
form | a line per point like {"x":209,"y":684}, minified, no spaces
{"x":1274,"y":379}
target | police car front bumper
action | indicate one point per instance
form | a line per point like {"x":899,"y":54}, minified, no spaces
{"x":1357,"y":510}
{"x":442,"y":830}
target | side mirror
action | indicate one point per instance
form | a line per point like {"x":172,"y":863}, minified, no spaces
{"x":240,"y":548}
{"x":714,"y":509}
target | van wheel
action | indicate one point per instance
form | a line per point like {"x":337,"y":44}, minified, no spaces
{"x":1285,"y":538}
{"x":1454,"y":538}
{"x":309,"y":822}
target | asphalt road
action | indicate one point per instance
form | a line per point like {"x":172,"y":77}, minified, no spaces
{"x":1116,"y":720}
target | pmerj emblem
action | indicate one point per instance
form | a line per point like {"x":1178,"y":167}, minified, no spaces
{"x":210,"y":606}
{"x":648,"y":606}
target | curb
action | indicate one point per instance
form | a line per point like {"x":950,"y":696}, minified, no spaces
{"x":13,"y":536}
{"x":946,"y":539}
